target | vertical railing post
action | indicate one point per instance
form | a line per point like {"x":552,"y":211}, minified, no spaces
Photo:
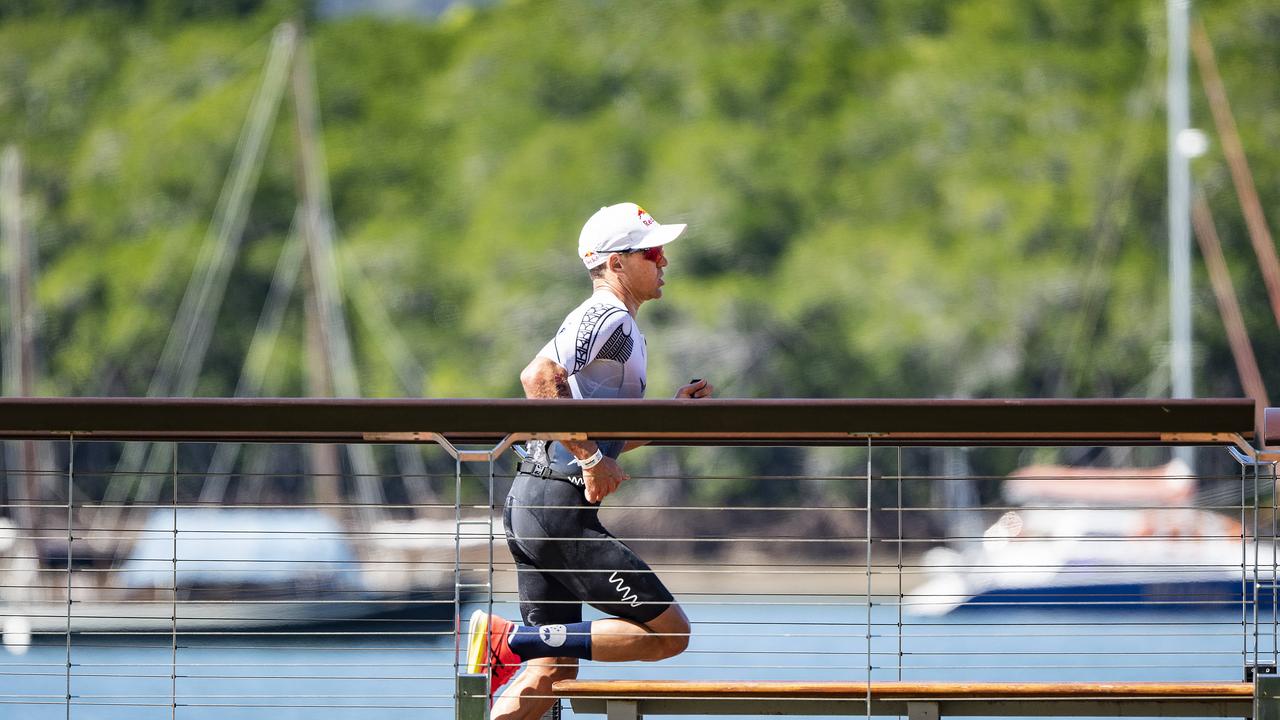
{"x":1259,"y":651}
{"x":488,"y":516}
{"x":173,"y":614}
{"x":463,"y":709}
{"x":1244,"y":570}
{"x":71,"y":473}
{"x":1254,"y":569}
{"x":1266,"y":697}
{"x":465,"y":682}
{"x":471,"y":691}
{"x":901,"y":594}
{"x":472,"y":696}
{"x":870,"y":663}
{"x":1274,"y":581}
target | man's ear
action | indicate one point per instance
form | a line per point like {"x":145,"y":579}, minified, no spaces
{"x":615,"y":262}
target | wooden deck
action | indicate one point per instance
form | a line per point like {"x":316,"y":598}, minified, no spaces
{"x":632,"y":699}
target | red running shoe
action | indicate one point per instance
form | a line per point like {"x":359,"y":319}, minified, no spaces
{"x":488,"y":648}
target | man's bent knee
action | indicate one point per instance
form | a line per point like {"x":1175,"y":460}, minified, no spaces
{"x":677,"y":639}
{"x":672,"y":630}
{"x":673,"y":645}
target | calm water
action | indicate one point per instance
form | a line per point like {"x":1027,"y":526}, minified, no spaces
{"x":743,"y":638}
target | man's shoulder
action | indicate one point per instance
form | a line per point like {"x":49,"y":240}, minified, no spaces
{"x":597,"y":310}
{"x":604,"y":313}
{"x":591,"y":321}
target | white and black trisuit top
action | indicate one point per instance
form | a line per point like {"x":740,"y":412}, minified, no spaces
{"x":603,"y":350}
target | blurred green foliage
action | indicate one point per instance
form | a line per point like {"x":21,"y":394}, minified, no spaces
{"x":910,"y":198}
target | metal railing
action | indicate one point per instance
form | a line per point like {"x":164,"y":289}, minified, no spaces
{"x":807,"y":540}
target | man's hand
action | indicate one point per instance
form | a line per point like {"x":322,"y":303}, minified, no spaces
{"x":696,"y":389}
{"x":600,"y":481}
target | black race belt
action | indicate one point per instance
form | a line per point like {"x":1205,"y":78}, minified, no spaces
{"x":539,"y":470}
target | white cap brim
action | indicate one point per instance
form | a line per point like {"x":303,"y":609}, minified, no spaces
{"x":660,"y":235}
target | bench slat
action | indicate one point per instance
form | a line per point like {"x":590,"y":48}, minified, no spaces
{"x":901,"y":690}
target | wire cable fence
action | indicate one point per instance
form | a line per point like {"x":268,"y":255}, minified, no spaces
{"x":292,"y":595}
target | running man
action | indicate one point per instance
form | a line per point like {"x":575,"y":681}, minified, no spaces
{"x":564,"y":556}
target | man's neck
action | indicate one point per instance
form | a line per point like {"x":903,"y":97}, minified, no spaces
{"x":619,"y":292}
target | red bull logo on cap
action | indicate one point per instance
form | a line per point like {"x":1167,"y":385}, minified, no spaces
{"x":644,"y":216}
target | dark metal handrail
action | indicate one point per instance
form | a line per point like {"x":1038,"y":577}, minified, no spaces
{"x":750,"y":422}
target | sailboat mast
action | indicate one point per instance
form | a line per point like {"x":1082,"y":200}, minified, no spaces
{"x":19,"y":351}
{"x":325,"y":296}
{"x":1179,"y":189}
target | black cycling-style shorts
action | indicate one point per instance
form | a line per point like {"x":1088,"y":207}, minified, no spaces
{"x":565,"y":557}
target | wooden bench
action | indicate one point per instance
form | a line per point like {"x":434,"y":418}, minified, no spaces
{"x":634,"y":699}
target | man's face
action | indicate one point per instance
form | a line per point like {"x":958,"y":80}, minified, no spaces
{"x":642,"y":273}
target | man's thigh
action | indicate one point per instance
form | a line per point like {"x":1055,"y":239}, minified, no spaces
{"x":608,"y":575}
{"x":544,"y":600}
{"x":564,"y":559}
{"x":672,"y":621}
{"x":544,"y":597}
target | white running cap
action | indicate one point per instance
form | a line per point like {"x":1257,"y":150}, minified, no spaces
{"x":625,"y":226}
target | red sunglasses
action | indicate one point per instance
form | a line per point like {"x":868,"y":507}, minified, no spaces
{"x":653,"y":254}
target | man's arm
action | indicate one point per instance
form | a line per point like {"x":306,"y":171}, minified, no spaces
{"x":545,"y":379}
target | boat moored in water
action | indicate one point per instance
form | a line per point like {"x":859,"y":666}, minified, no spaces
{"x":1116,"y":538}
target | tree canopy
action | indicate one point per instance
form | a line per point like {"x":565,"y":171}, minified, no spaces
{"x":909,"y":198}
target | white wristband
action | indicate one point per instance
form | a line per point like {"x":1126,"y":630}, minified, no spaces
{"x":590,"y":462}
